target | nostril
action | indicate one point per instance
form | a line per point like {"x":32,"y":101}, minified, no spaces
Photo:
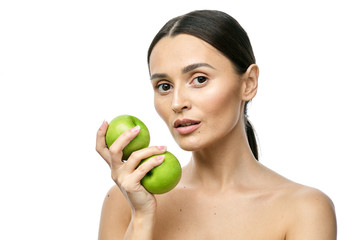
{"x":179,"y":109}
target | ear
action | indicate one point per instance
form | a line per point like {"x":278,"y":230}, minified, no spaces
{"x":249,"y":83}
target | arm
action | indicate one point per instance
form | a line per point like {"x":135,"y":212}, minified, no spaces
{"x":115,"y":215}
{"x":313,"y":217}
{"x":117,"y":221}
{"x":128,"y":210}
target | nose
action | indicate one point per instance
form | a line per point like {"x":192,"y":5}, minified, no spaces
{"x":180,"y":101}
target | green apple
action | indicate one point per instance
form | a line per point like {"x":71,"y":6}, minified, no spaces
{"x":122,"y":123}
{"x":164,"y":177}
{"x":160,"y":179}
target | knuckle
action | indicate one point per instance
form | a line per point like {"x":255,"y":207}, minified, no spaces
{"x":100,"y":133}
{"x":114,"y":150}
{"x":143,"y":169}
{"x":156,"y":148}
{"x":135,"y":155}
{"x":146,"y":166}
{"x":111,"y":150}
{"x":126,"y":135}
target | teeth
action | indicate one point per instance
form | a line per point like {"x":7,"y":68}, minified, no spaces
{"x":187,"y":124}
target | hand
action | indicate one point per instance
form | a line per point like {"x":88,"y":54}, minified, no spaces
{"x":127,"y":175}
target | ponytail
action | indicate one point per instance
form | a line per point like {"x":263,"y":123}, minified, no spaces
{"x":251,"y":138}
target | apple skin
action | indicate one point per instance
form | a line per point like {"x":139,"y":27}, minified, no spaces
{"x":162,"y":178}
{"x":122,"y":123}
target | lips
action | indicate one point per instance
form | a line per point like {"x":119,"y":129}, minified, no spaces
{"x":186,"y":126}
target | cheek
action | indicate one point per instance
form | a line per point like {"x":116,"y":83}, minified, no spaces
{"x":221,"y":103}
{"x":222,"y":110}
{"x":160,"y":107}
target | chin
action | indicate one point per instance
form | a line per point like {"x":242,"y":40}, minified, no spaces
{"x":192,"y":142}
{"x":189,"y":148}
{"x":189,"y":144}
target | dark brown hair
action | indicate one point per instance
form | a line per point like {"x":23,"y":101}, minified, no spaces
{"x":225,"y":34}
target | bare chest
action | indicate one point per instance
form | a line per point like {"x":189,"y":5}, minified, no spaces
{"x":218,"y":217}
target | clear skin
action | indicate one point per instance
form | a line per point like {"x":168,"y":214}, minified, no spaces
{"x":224,"y":193}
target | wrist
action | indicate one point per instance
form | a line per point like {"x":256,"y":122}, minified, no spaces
{"x":143,"y":218}
{"x":143,"y":221}
{"x":141,"y":227}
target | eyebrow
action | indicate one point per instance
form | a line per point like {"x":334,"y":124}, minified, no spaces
{"x":186,"y":69}
{"x":158,"y":75}
{"x":194,"y":66}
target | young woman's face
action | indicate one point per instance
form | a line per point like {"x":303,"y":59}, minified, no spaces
{"x":196,"y":91}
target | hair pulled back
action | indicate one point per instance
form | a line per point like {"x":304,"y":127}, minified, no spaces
{"x":225,"y":34}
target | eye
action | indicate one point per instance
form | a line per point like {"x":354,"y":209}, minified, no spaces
{"x":163,"y":87}
{"x":200,"y":80}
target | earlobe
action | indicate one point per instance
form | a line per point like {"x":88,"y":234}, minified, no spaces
{"x":250,"y":82}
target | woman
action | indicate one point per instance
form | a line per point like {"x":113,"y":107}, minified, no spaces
{"x":203,"y":73}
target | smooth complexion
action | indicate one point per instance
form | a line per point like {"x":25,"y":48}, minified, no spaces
{"x":192,"y":80}
{"x":199,"y":84}
{"x":224,"y":193}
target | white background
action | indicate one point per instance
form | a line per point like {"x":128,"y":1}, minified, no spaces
{"x":65,"y":66}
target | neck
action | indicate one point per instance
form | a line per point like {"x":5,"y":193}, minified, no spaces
{"x":223,"y":164}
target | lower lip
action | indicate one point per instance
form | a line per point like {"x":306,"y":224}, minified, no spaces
{"x":188,"y":129}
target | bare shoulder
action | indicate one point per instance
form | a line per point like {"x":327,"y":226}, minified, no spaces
{"x":115,"y":215}
{"x":311,"y":214}
{"x":310,"y":201}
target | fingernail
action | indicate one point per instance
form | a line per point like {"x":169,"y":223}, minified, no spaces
{"x":160,"y":157}
{"x":135,"y":129}
{"x":161,"y":147}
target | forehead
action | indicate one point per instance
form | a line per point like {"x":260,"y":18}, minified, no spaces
{"x":182,"y":50}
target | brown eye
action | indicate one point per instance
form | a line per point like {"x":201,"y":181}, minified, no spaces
{"x":200,"y":80}
{"x":164,"y":87}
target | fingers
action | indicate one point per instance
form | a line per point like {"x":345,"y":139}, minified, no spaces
{"x":129,"y":174}
{"x":124,"y":139}
{"x":113,"y":155}
{"x":120,"y":143}
{"x":144,"y":168}
{"x":131,"y":181}
{"x":136,"y":157}
{"x":101,"y":147}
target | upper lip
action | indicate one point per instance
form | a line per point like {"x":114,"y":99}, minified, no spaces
{"x":184,"y":122}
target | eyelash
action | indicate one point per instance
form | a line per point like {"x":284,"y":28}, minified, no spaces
{"x":203,"y":77}
{"x":161,"y":85}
